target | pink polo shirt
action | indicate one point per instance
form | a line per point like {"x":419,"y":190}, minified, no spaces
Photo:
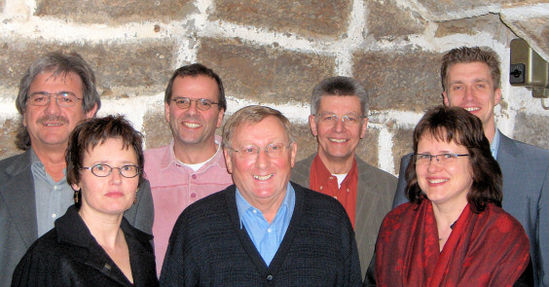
{"x":175,"y":186}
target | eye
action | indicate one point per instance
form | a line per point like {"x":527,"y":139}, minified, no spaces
{"x":457,"y":87}
{"x":100,"y":167}
{"x":448,"y":155}
{"x":182,"y":101}
{"x":350,"y":118}
{"x":204,"y":102}
{"x":423,"y":156}
{"x":249,"y":150}
{"x":275,"y":148}
{"x":65,"y":98}
{"x":38,"y":98}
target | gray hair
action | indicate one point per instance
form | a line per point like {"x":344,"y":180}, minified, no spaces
{"x":60,"y":65}
{"x":339,"y":86}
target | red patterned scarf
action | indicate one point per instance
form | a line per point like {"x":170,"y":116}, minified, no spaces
{"x":486,"y":249}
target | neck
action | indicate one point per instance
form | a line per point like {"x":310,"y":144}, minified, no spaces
{"x":490,"y":130}
{"x":104,"y":228}
{"x":447,"y":214}
{"x":269,"y":207}
{"x":336,"y":165}
{"x":53,"y":159}
{"x":194,"y":153}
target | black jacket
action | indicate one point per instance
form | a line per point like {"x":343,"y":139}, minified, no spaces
{"x":68,"y":255}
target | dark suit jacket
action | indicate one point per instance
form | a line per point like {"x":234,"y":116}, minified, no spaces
{"x":18,"y":228}
{"x":374,"y":195}
{"x":525,"y":170}
{"x":68,"y":255}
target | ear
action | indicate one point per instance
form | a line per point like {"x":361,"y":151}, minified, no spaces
{"x":312,"y":125}
{"x":445,"y":99}
{"x":220,"y":118}
{"x":91,"y":113}
{"x":293,"y":153}
{"x":75,"y":186}
{"x":228,"y":162}
{"x":364,"y":128}
{"x":497,"y":96}
{"x":167,"y":112}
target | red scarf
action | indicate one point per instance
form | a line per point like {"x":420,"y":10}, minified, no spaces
{"x":486,"y":249}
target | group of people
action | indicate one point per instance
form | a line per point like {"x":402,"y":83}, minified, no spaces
{"x":84,"y":205}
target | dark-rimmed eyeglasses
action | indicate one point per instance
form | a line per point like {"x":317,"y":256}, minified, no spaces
{"x":104,"y":170}
{"x":201,"y":104}
{"x":63,"y":99}
{"x":443,"y":158}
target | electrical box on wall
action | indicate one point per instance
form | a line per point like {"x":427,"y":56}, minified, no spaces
{"x":527,"y":68}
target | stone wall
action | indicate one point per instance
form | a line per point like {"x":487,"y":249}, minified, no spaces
{"x":272,"y":53}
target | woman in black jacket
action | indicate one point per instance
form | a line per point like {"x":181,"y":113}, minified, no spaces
{"x":93,"y":244}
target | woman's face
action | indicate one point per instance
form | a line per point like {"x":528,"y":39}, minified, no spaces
{"x":445,"y":180}
{"x":114,"y":193}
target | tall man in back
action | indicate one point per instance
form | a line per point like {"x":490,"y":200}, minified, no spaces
{"x":471,"y":80}
{"x":192,"y":165}
{"x":55,"y":94}
{"x":339,"y":109}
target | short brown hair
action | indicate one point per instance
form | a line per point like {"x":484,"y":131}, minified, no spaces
{"x":463,"y":128}
{"x":470,"y":55}
{"x":90,"y":133}
{"x":252,"y":114}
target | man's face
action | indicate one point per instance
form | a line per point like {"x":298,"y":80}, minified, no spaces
{"x":470,"y":86}
{"x":261,"y":177}
{"x":50,"y":125}
{"x":192,"y":126}
{"x":337,"y":139}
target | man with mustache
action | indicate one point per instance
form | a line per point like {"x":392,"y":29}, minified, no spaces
{"x":192,"y":165}
{"x":55,"y":94}
{"x":470,"y":79}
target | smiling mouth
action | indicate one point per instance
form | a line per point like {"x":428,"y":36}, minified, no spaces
{"x":191,"y":125}
{"x":338,"y":140}
{"x":263,"y":177}
{"x":56,"y":124}
{"x":433,"y":181}
{"x":472,"y":109}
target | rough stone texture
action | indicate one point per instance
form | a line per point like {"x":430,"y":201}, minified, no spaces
{"x":402,"y":145}
{"x":471,"y":26}
{"x":156,"y":130}
{"x":368,"y":147}
{"x":264,"y":74}
{"x":388,"y":21}
{"x":120,"y":68}
{"x":532,"y":129}
{"x":444,"y":7}
{"x":306,"y":142}
{"x":537,"y":29}
{"x":7,"y":136}
{"x":115,"y":11}
{"x":309,"y":18}
{"x":401,"y":80}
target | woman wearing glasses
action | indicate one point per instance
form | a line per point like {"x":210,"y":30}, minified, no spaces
{"x":453,"y":231}
{"x":92,"y":244}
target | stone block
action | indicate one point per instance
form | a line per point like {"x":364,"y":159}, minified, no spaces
{"x":264,"y":74}
{"x":121,"y":68}
{"x":403,"y":143}
{"x":368,"y":149}
{"x":532,"y":129}
{"x":156,"y":130}
{"x":306,"y":142}
{"x":400,"y":80}
{"x":386,"y":20}
{"x":471,"y":26}
{"x":451,"y":8}
{"x":115,"y":11}
{"x":8,"y":130}
{"x":308,"y":18}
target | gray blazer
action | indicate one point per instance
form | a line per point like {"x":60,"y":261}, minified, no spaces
{"x":374,"y":196}
{"x":525,"y":170}
{"x":18,"y":228}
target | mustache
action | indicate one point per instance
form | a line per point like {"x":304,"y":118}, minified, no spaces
{"x":52,"y":118}
{"x":194,"y":118}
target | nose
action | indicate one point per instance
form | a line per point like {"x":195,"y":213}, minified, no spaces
{"x":434,"y":164}
{"x":262,"y":158}
{"x":469,"y":95}
{"x":115,"y":175}
{"x":52,"y":107}
{"x":193,"y":107}
{"x":339,"y":125}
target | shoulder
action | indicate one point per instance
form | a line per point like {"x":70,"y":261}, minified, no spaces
{"x":375,"y":176}
{"x":154,"y":153}
{"x":502,"y":220}
{"x":318,"y":202}
{"x":15,"y":162}
{"x":524,"y":150}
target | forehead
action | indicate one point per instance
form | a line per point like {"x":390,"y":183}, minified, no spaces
{"x":339,"y":104}
{"x":50,"y":81}
{"x":266,"y":131}
{"x":472,"y":70}
{"x":195,"y":86}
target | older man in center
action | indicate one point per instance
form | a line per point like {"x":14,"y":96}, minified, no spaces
{"x":263,"y":230}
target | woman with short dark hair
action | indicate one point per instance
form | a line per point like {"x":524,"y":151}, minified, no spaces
{"x":93,"y":244}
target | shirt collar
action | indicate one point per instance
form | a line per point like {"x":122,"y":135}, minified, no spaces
{"x":169,"y":157}
{"x":287,"y":205}
{"x":494,"y":145}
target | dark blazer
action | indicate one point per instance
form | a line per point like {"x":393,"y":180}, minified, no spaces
{"x":525,"y":170}
{"x":68,"y":255}
{"x":375,"y":193}
{"x":209,"y":246}
{"x":18,"y":229}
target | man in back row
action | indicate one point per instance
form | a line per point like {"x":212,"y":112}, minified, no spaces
{"x":192,"y":165}
{"x":338,"y":120}
{"x":55,"y":94}
{"x":471,"y":80}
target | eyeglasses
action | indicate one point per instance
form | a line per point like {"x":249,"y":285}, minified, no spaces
{"x":201,"y":104}
{"x":443,"y":158}
{"x":63,"y":99}
{"x":271,"y":150}
{"x":104,"y":170}
{"x":350,"y":119}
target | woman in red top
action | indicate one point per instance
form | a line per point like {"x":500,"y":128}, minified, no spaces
{"x":453,"y":231}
